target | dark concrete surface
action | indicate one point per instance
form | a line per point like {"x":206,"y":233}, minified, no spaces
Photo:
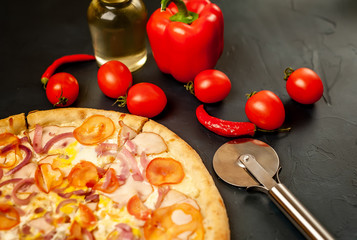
{"x":262,"y":38}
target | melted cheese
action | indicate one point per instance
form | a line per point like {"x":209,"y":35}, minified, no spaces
{"x":110,"y":214}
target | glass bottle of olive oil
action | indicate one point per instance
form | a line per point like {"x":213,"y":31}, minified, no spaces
{"x":118,"y":30}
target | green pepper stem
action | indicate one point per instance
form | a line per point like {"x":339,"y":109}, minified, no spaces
{"x":183,"y":15}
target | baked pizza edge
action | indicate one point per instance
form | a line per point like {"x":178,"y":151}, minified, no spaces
{"x":76,"y":116}
{"x":14,"y":124}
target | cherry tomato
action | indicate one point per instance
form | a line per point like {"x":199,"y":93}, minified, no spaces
{"x":304,"y":85}
{"x":114,"y":79}
{"x":146,"y":99}
{"x":62,"y":89}
{"x":211,"y":86}
{"x":265,"y":110}
{"x":94,"y":129}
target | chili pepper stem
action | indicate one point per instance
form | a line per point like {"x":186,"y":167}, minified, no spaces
{"x":189,"y":87}
{"x":275,"y":130}
{"x":287,"y":72}
{"x":44,"y":82}
{"x":121,"y":101}
{"x":183,"y":15}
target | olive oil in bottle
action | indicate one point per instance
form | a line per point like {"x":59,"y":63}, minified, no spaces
{"x":118,"y":30}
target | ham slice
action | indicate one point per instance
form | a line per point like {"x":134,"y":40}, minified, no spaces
{"x":131,"y":187}
{"x":27,"y":171}
{"x":41,"y":225}
{"x":125,"y":133}
{"x":150,"y":143}
{"x":162,"y":191}
{"x":105,"y":149}
{"x":173,"y":197}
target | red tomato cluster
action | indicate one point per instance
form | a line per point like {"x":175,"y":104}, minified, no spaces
{"x":144,"y":99}
{"x":147,"y":99}
{"x":266,"y":110}
{"x":115,"y":80}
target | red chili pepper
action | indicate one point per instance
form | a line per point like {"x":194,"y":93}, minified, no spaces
{"x":62,"y":60}
{"x":228,"y":128}
{"x":224,"y":127}
{"x":186,"y":38}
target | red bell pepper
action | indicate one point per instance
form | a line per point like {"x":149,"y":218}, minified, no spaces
{"x":186,"y":37}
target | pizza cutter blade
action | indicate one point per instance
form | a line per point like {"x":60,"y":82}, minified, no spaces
{"x":253,"y":164}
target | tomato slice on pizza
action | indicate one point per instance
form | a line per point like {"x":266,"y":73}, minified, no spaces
{"x":83,"y":174}
{"x":170,"y":222}
{"x":86,"y":217}
{"x":9,"y":153}
{"x":9,"y":216}
{"x":164,"y":171}
{"x":137,"y":208}
{"x":48,"y":178}
{"x":94,"y":129}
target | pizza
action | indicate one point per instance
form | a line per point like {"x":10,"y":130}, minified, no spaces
{"x":80,"y":173}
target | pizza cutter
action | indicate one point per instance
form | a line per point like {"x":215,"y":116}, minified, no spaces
{"x":253,"y":164}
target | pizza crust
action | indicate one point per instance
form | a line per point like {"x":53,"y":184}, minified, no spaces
{"x":14,"y":124}
{"x":76,"y":116}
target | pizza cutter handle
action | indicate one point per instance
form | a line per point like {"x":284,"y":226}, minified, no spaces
{"x":297,"y":213}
